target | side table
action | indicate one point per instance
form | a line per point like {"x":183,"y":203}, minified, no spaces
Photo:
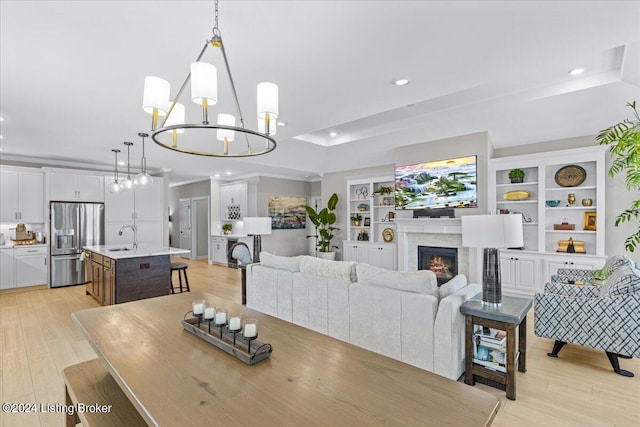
{"x":510,"y":314}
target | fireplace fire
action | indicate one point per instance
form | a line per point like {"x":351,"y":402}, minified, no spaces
{"x":443,"y":262}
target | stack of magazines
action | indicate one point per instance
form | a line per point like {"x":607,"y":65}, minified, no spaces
{"x":490,"y":348}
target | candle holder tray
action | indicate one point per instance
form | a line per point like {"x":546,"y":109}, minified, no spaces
{"x":250,"y":352}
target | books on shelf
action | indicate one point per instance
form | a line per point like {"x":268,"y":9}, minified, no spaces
{"x":489,"y":348}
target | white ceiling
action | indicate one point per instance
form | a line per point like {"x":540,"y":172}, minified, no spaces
{"x":72,"y":73}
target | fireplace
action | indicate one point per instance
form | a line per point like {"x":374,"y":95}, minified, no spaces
{"x":442,"y":261}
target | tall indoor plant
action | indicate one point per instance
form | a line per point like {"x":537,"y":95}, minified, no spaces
{"x":324,"y":220}
{"x":624,"y":139}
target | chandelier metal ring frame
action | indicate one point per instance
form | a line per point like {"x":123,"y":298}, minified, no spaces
{"x":268,"y":118}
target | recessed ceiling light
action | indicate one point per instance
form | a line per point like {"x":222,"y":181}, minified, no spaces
{"x":576,"y":71}
{"x":401,"y":82}
{"x":1,"y":119}
{"x":282,"y":124}
{"x":332,"y":134}
{"x":121,"y":163}
{"x":216,"y":175}
{"x":228,"y":173}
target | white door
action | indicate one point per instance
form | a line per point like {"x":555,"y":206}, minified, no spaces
{"x":200,"y":227}
{"x":185,"y":223}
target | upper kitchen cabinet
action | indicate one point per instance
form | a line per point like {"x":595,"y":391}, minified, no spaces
{"x":22,"y":193}
{"x":237,"y":200}
{"x":76,"y":187}
{"x":138,"y":204}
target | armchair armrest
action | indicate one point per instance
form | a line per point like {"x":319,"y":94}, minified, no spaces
{"x":563,"y":275}
{"x":574,"y":291}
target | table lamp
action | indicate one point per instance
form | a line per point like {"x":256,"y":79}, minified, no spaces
{"x":256,"y":226}
{"x":492,"y":232}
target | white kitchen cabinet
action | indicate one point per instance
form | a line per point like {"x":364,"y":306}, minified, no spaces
{"x":22,"y":195}
{"x":519,"y":272}
{"x":7,"y":269}
{"x":138,"y":204}
{"x":30,"y":265}
{"x":237,"y":200}
{"x":219,"y":250}
{"x":76,"y":187}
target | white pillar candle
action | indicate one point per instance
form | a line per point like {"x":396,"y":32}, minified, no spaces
{"x":249,"y":330}
{"x":221,"y":318}
{"x":209,"y":312}
{"x":198,"y":308}
{"x":234,"y":323}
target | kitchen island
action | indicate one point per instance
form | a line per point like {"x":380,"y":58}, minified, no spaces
{"x":122,"y":273}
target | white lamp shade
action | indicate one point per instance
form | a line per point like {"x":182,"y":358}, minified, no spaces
{"x":176,"y":117}
{"x":226,"y":120}
{"x":257,"y":225}
{"x":204,"y":83}
{"x":267,"y":100}
{"x":156,"y":95}
{"x":272,"y":126}
{"x":492,"y":231}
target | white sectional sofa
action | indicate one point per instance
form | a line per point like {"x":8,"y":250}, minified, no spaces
{"x":403,"y":315}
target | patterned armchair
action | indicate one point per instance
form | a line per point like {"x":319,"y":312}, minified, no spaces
{"x":604,"y":317}
{"x":569,"y":275}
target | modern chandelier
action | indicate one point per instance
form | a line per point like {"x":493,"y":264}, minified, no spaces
{"x":196,"y":138}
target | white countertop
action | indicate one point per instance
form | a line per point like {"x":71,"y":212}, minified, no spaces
{"x":10,"y":245}
{"x":142,"y":250}
{"x":233,"y":236}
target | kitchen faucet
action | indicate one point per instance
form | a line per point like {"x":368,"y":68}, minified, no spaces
{"x":134,"y":228}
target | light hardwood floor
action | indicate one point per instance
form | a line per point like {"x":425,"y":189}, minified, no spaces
{"x":38,"y":340}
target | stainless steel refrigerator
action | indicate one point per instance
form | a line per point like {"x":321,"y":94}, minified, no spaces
{"x":73,"y":226}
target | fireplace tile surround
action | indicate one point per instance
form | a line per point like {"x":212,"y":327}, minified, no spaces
{"x":443,"y":232}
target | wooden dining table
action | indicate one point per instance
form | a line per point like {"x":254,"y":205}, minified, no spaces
{"x":174,"y":378}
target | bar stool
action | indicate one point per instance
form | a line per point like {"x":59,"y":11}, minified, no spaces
{"x":180,"y":268}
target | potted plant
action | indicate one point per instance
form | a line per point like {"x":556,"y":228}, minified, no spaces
{"x":382,"y":191}
{"x":356,"y":220}
{"x":324,"y":220}
{"x":226,"y":228}
{"x":516,"y":176}
{"x":624,"y":138}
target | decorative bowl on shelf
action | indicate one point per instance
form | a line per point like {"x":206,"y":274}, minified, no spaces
{"x":552,"y":203}
{"x":516,"y":195}
{"x":363,"y":207}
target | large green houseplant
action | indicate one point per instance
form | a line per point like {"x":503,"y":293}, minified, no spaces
{"x":624,"y":139}
{"x":324,"y":220}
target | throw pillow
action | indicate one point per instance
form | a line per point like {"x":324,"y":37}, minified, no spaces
{"x":452,"y":286}
{"x":282,"y":262}
{"x":421,"y":281}
{"x":344,"y":270}
{"x":623,"y":280}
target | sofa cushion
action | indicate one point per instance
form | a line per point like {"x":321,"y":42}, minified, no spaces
{"x":453,"y":285}
{"x":421,"y":282}
{"x":623,"y":280}
{"x":281,"y":262}
{"x":344,"y":270}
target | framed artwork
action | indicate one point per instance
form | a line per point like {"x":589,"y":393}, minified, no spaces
{"x":287,"y":213}
{"x":367,"y":222}
{"x":388,"y":201}
{"x":590,"y":220}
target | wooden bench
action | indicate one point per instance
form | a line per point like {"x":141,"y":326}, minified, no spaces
{"x":97,"y":398}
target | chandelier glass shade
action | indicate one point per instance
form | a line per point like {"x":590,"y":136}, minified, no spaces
{"x":114,"y":186}
{"x":196,"y":137}
{"x":143,"y":180}
{"x":127,"y":183}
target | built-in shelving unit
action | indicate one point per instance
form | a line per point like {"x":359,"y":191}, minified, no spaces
{"x":366,"y":241}
{"x":525,"y":271}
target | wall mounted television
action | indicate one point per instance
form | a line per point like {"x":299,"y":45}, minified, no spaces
{"x":449,"y":183}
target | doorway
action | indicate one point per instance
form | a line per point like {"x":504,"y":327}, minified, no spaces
{"x":184,"y":206}
{"x":200,"y":227}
